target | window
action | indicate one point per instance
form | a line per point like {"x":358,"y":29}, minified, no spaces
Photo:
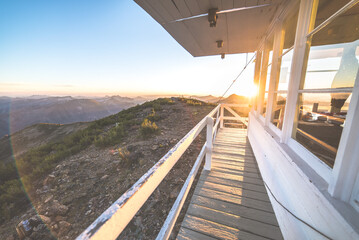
{"x":257,"y":75}
{"x":325,"y":90}
{"x":265,"y":74}
{"x":281,"y":85}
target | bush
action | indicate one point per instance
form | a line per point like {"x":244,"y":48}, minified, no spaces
{"x":193,"y":102}
{"x":153,"y":116}
{"x":148,"y":128}
{"x":129,"y":158}
{"x":114,"y":136}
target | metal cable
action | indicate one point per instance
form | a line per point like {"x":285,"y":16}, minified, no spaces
{"x":291,"y":213}
{"x":236,"y":78}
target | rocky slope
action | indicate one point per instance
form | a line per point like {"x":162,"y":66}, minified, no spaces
{"x":83,"y":185}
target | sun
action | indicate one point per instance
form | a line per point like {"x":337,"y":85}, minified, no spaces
{"x":247,"y":89}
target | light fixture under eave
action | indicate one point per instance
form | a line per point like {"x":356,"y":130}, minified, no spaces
{"x":223,"y":55}
{"x":212,"y":17}
{"x":219,"y":43}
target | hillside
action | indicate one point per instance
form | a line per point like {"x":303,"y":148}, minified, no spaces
{"x":18,"y":113}
{"x":72,"y":181}
{"x":35,"y":136}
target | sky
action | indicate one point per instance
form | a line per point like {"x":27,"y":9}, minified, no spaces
{"x":105,"y":47}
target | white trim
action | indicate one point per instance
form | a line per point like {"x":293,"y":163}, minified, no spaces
{"x":313,"y":161}
{"x":263,"y":76}
{"x":276,"y":130}
{"x":296,"y":190}
{"x":346,"y":166}
{"x":327,"y":90}
{"x":306,"y":16}
{"x":275,"y":69}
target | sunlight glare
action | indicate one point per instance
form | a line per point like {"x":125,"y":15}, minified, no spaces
{"x":247,"y":89}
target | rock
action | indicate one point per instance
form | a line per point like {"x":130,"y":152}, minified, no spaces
{"x":45,"y":219}
{"x":64,"y":227}
{"x":104,"y":177}
{"x":54,"y":227}
{"x":154,"y":147}
{"x":58,"y":209}
{"x":50,"y":179}
{"x":59,"y":218}
{"x":48,"y":199}
{"x":175,"y":191}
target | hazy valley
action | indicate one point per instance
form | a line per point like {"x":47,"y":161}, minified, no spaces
{"x":18,"y":113}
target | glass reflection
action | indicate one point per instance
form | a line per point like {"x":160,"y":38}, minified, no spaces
{"x":332,"y":66}
{"x":317,"y":127}
{"x":278,"y":109}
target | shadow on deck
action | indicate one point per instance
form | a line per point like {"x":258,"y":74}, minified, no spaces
{"x":230,"y":201}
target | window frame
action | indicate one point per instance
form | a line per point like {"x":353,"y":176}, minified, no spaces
{"x":343,"y":178}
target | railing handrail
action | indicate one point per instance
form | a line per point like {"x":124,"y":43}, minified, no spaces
{"x":111,"y":223}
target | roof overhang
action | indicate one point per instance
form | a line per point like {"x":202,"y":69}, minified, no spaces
{"x":241,"y":31}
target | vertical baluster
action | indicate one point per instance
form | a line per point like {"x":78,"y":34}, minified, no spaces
{"x":207,"y":165}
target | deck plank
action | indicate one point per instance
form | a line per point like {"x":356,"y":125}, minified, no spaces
{"x":230,"y":201}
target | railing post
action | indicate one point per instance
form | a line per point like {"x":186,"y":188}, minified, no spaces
{"x":207,"y":165}
{"x":222,"y":115}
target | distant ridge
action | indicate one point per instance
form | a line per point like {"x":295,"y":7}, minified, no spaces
{"x":18,"y":113}
{"x":232,"y":99}
{"x":236,"y":99}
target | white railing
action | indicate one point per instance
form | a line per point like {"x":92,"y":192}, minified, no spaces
{"x":112,"y":222}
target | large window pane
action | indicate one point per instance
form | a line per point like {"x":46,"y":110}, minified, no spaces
{"x":285,"y":71}
{"x":332,"y":66}
{"x":278,"y":109}
{"x":317,"y":128}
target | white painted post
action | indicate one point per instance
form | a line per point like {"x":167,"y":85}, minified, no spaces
{"x":306,"y":20}
{"x":207,"y":165}
{"x":222,"y":115}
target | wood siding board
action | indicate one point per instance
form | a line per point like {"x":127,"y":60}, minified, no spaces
{"x":188,"y":234}
{"x":216,"y":230}
{"x":241,"y":223}
{"x":239,"y":210}
{"x":244,"y":185}
{"x":234,"y":190}
{"x":227,"y":197}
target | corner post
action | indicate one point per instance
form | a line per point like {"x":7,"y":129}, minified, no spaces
{"x":221,"y":118}
{"x":209,"y":145}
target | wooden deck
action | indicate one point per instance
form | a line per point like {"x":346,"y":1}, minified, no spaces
{"x":230,"y":201}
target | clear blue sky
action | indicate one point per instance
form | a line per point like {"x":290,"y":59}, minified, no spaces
{"x":100,"y":47}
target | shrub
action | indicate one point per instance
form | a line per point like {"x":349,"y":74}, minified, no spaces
{"x":193,"y":102}
{"x":124,"y":154}
{"x":129,"y":158}
{"x":148,"y":128}
{"x":114,"y":136}
{"x":153,"y":116}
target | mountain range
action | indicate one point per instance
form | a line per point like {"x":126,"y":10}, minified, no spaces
{"x":18,"y":113}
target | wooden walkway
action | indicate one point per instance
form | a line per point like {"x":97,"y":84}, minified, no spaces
{"x":230,"y":201}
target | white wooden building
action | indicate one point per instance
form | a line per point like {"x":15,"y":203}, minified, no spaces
{"x":304,"y":125}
